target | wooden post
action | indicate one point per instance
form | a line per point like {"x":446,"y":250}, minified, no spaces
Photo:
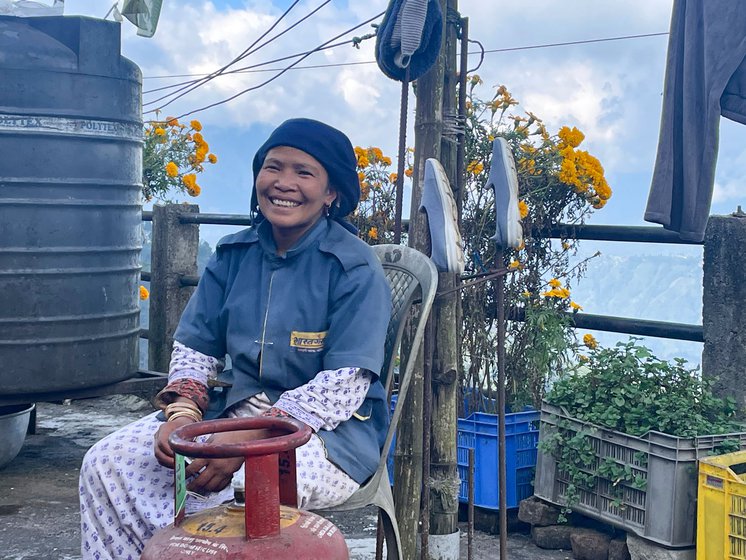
{"x":174,"y":255}
{"x":723,"y":304}
{"x":408,"y":455}
{"x":444,"y":485}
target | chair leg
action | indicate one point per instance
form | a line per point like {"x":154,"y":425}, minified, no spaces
{"x":379,"y":536}
{"x":391,"y":534}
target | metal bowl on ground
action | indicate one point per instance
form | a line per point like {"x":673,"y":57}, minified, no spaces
{"x":13,"y":426}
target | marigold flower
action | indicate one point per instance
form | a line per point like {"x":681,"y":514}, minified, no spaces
{"x":196,"y":125}
{"x":570,"y":136}
{"x":409,"y":172}
{"x":522,"y":209}
{"x":144,"y":293}
{"x":189,"y":180}
{"x":583,"y":357}
{"x":590,"y":341}
{"x":198,"y":139}
{"x":393,"y":177}
{"x":212,"y":158}
{"x":385,"y":160}
{"x":376,"y":153}
{"x":575,"y":307}
{"x":172,"y":170}
{"x":526,"y":294}
{"x":514,"y":265}
{"x":159,"y":131}
{"x":373,"y":233}
{"x":555,"y":283}
{"x":475,"y":167}
{"x":194,"y":191}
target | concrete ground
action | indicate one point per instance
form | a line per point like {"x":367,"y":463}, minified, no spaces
{"x":39,"y":490}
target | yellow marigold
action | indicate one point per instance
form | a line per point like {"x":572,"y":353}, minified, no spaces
{"x":373,"y":233}
{"x":514,"y":265}
{"x":603,"y":191}
{"x":172,"y":170}
{"x":194,"y":191}
{"x":522,"y":209}
{"x":385,"y":160}
{"x":361,"y":176}
{"x":393,"y":177}
{"x":144,"y":293}
{"x":571,"y":136}
{"x":555,"y":283}
{"x":409,"y":172}
{"x":212,"y":158}
{"x":575,"y":306}
{"x":362,"y":161}
{"x":189,"y":180}
{"x":198,"y":139}
{"x":565,"y":245}
{"x":159,"y":131}
{"x":364,"y":191}
{"x":376,"y":153}
{"x":583,"y":357}
{"x":475,"y":167}
{"x":590,"y":341}
{"x":526,"y":294}
{"x":172,"y":121}
{"x":196,"y":125}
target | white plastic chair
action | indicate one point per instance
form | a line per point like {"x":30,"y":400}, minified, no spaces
{"x":413,"y":278}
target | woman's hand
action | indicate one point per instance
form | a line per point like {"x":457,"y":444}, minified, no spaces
{"x":213,"y":475}
{"x":163,"y":452}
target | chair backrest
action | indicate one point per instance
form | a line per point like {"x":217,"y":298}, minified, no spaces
{"x":413,"y":278}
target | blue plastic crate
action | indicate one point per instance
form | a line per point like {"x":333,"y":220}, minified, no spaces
{"x":480,"y":432}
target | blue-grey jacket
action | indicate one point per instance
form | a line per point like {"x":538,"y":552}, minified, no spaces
{"x":324,"y":305}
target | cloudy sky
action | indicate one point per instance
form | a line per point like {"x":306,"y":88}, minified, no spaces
{"x":611,"y":90}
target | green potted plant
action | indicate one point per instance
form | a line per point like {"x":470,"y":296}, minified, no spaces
{"x":620,"y":436}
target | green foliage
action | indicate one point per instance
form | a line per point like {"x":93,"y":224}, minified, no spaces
{"x":627,"y":389}
{"x":375,"y":214}
{"x":557,"y":183}
{"x":173,"y":155}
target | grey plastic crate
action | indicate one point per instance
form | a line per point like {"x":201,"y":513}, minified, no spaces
{"x":665,"y":510}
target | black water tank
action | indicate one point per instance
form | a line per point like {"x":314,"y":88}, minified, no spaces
{"x":70,"y":214}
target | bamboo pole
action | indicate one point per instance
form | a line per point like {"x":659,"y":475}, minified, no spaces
{"x":444,"y":479}
{"x":408,"y":454}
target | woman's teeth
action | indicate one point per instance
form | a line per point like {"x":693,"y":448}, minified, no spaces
{"x":285,"y":203}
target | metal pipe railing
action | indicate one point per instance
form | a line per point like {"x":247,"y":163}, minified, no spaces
{"x":605,"y":323}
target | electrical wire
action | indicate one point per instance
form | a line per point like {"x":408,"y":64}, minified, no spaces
{"x":306,"y":55}
{"x":481,"y":52}
{"x":249,"y":50}
{"x":255,"y":67}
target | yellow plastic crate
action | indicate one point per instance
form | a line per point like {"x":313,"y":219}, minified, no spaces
{"x":721,"y":508}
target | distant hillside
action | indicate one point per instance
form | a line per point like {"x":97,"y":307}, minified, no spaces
{"x":656,"y":287}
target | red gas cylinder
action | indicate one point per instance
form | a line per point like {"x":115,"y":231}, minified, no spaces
{"x":264,"y":522}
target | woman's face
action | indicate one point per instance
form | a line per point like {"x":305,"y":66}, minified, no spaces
{"x":292,"y":189}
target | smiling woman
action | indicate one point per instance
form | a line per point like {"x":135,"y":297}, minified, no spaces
{"x":284,"y":299}
{"x":293,"y":192}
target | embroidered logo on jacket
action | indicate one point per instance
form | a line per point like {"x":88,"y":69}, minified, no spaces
{"x":308,"y":341}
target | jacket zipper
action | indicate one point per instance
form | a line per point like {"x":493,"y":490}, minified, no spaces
{"x":264,"y":326}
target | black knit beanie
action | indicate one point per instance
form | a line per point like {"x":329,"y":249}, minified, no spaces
{"x":331,"y":148}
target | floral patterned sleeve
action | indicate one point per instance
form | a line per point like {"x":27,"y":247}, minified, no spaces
{"x":331,"y":397}
{"x":188,"y":373}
